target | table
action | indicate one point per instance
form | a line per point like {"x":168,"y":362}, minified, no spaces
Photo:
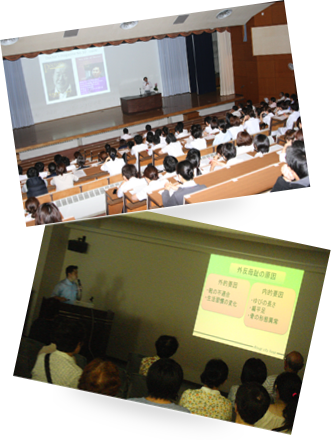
{"x":140,"y":103}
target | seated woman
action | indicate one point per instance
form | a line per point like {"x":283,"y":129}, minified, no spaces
{"x":235,"y":126}
{"x":31,"y":206}
{"x":211,"y":126}
{"x":244,"y":143}
{"x":63,"y":180}
{"x":112,"y":164}
{"x":47,"y":213}
{"x":166,"y":346}
{"x":194,"y":157}
{"x":225,"y":155}
{"x":254,"y":369}
{"x":100,"y":377}
{"x":173,"y":146}
{"x":251,"y":123}
{"x":153,"y":180}
{"x":196,"y":141}
{"x":224,"y":135}
{"x":280,"y":415}
{"x":164,"y":380}
{"x":180,"y":132}
{"x":208,"y":401}
{"x":174,"y":193}
{"x":261,"y":144}
{"x":130,"y":180}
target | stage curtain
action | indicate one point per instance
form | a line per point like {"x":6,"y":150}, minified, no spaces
{"x":19,"y":104}
{"x":174,"y":69}
{"x":227,"y":85}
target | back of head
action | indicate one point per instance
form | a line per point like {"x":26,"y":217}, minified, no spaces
{"x":149,"y":137}
{"x":125,"y":131}
{"x":227,"y":150}
{"x":252,"y":402}
{"x":129,"y":171}
{"x":294,"y":361}
{"x":166,"y":346}
{"x":261,"y":143}
{"x":32,"y":172}
{"x":148,"y":127}
{"x":196,"y":131}
{"x":68,"y":334}
{"x":39,"y":166}
{"x":151,"y":172}
{"x":288,"y":385}
{"x":194,"y":159}
{"x":81,"y":160}
{"x":243,"y":139}
{"x":61,"y":168}
{"x":52,"y":167}
{"x":138,"y":139}
{"x":214,"y":123}
{"x":31,"y":205}
{"x":170,"y":138}
{"x":57,"y":158}
{"x":170,"y":163}
{"x":107,"y":148}
{"x":156,"y":139}
{"x":47,"y":213}
{"x":215,"y":373}
{"x":164,"y":379}
{"x":254,"y":369}
{"x":65,"y":160}
{"x":113,"y":153}
{"x":102,"y":156}
{"x":223,"y":125}
{"x":185,"y":169}
{"x":179,"y":127}
{"x":101,"y":377}
{"x":296,"y":158}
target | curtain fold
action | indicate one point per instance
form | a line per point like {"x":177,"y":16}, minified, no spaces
{"x":173,"y":63}
{"x":227,"y":84}
{"x":19,"y":104}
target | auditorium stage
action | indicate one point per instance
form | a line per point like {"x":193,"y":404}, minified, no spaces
{"x":106,"y":120}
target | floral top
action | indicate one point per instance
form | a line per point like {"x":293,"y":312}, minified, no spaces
{"x":146,"y":363}
{"x":207,"y":402}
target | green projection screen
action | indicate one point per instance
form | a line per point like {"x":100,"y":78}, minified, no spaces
{"x":247,"y":304}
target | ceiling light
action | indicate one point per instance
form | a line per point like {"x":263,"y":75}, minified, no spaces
{"x":9,"y":41}
{"x":223,"y":14}
{"x":128,"y":25}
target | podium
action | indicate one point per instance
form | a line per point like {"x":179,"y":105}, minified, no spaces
{"x":97,"y":323}
{"x":140,"y":103}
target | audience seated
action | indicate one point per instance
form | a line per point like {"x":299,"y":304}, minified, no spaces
{"x":52,"y":169}
{"x":180,"y":132}
{"x":63,"y":180}
{"x":47,"y":213}
{"x":224,"y":135}
{"x":31,"y":206}
{"x":100,"y":377}
{"x":174,"y":193}
{"x":208,"y":401}
{"x":130,"y":180}
{"x":251,"y":403}
{"x":173,"y":146}
{"x":261,"y":144}
{"x":164,"y":379}
{"x":153,"y":180}
{"x":139,"y":146}
{"x":169,"y":164}
{"x":197,"y":141}
{"x":251,"y":123}
{"x":81,"y":161}
{"x":166,"y":346}
{"x":280,"y":415}
{"x":235,"y":126}
{"x":35,"y":185}
{"x":254,"y":369}
{"x":225,"y":155}
{"x":194,"y":157}
{"x":69,"y":336}
{"x":126,"y":135}
{"x":295,"y":172}
{"x":244,"y":143}
{"x":112,"y":164}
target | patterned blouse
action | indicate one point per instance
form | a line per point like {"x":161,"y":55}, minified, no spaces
{"x":146,"y":363}
{"x":207,"y":402}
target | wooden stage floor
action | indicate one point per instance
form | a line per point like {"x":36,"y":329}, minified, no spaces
{"x":69,"y":128}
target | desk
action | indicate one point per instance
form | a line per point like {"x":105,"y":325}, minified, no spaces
{"x":139,"y":103}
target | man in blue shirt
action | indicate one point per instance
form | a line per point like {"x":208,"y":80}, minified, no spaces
{"x":68,"y":290}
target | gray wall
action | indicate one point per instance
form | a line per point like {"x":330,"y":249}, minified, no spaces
{"x":151,"y":275}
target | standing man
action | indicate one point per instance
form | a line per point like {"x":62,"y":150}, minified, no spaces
{"x":147,"y":86}
{"x":68,"y":290}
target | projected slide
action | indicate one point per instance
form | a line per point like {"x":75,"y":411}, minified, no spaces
{"x":74,"y":74}
{"x":248,"y":304}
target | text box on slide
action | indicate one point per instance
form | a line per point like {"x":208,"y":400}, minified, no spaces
{"x":248,"y":304}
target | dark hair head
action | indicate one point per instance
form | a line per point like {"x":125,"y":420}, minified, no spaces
{"x":149,"y":137}
{"x":170,"y":163}
{"x":294,"y":361}
{"x":194,"y":159}
{"x":288,"y":385}
{"x":214,"y":123}
{"x":113,"y":153}
{"x":234,"y":120}
{"x":70,"y":269}
{"x":65,"y":160}
{"x":76,"y":154}
{"x":296,"y":158}
{"x":164,"y":379}
{"x":47,"y":213}
{"x":289,"y":134}
{"x":252,"y":402}
{"x":129,"y":171}
{"x":32,"y":172}
{"x":223,"y":125}
{"x":196,"y":131}
{"x":107,"y":147}
{"x":125,"y":131}
{"x":130,"y":144}
{"x":299,"y":135}
{"x":254,"y":369}
{"x":179,"y":127}
{"x":170,"y":138}
{"x":148,"y":127}
{"x":156,"y":139}
{"x":52,"y":167}
{"x":102,"y":156}
{"x":57,"y":158}
{"x":226,"y":150}
{"x":215,"y":373}
{"x":208,"y":119}
{"x":138,"y":139}
{"x":101,"y":377}
{"x":261,"y":143}
{"x":31,"y":205}
{"x":151,"y":172}
{"x":20,"y":170}
{"x":61,"y":168}
{"x":68,"y":334}
{"x":165,"y":131}
{"x":166,"y":346}
{"x":81,"y":160}
{"x":185,"y":169}
{"x":243,"y":139}
{"x":39,"y":166}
